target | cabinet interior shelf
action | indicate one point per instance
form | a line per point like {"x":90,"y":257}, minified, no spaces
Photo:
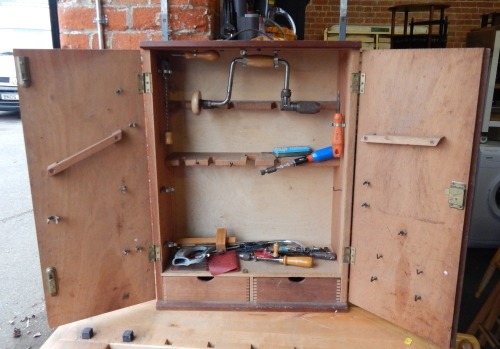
{"x":236,"y":159}
{"x":321,"y":268}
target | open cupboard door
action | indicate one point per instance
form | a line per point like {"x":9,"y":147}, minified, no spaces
{"x":85,"y":140}
{"x":416,"y":127}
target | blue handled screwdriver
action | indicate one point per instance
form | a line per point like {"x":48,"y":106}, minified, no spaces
{"x":316,"y":156}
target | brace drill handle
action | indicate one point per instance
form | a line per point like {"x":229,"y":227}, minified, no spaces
{"x":259,"y":61}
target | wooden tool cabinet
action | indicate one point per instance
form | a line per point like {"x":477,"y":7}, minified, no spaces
{"x":109,"y":193}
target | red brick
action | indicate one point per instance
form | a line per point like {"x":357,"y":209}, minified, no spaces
{"x":146,"y":18}
{"x":194,"y":3}
{"x":80,"y":41}
{"x":195,"y":37}
{"x":157,"y":36}
{"x":195,"y":19}
{"x":94,"y":41}
{"x":128,"y":3}
{"x":125,"y":40}
{"x":117,"y":18}
{"x":76,"y":18}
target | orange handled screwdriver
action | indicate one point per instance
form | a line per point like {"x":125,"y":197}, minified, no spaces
{"x":297,"y":261}
{"x":338,"y":132}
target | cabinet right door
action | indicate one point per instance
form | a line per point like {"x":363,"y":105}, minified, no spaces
{"x":416,"y":135}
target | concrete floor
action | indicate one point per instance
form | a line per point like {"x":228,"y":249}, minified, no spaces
{"x":21,"y":294}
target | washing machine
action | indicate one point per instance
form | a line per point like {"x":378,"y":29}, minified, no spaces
{"x":485,"y":223}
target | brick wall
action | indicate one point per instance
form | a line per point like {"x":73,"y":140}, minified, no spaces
{"x":132,"y":21}
{"x":463,"y":15}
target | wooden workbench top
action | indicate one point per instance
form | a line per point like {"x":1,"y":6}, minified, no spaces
{"x":230,"y":329}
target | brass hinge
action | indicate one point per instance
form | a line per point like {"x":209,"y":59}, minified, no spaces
{"x":154,"y":253}
{"x":349,"y":255}
{"x":358,"y":82}
{"x":144,"y":82}
{"x":456,"y":195}
{"x":23,"y":71}
{"x":51,"y":276}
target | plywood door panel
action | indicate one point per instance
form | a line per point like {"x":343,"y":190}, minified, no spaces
{"x":99,"y":246}
{"x":407,"y":238}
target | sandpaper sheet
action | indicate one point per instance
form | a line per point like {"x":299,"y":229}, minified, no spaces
{"x":221,"y":263}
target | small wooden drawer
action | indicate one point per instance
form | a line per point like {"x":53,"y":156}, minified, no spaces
{"x":296,"y":290}
{"x":206,"y":289}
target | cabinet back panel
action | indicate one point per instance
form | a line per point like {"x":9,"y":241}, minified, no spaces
{"x":295,"y":203}
{"x":252,"y":83}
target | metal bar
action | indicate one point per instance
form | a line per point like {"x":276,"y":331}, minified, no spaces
{"x":99,"y":22}
{"x":343,"y":20}
{"x":164,"y":20}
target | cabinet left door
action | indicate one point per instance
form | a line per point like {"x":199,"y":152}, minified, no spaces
{"x":85,"y":136}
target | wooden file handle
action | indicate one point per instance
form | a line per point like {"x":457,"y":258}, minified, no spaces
{"x":298,"y":261}
{"x":204,"y":56}
{"x":62,"y":165}
{"x":260,"y":61}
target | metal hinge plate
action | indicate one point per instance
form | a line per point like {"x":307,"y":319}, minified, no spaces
{"x":358,"y":82}
{"x":154,"y":253}
{"x":144,"y":82}
{"x":23,"y":71}
{"x":51,"y":276}
{"x":456,"y":195}
{"x":349,"y":255}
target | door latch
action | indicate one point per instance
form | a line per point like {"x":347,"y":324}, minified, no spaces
{"x":456,"y":195}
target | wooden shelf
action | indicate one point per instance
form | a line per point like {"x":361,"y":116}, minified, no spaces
{"x":236,"y":159}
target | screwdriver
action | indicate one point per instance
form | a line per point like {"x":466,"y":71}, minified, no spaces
{"x":316,"y":156}
{"x":297,"y":261}
{"x":338,"y":132}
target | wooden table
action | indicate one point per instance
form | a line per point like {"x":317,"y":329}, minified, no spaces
{"x":355,"y":329}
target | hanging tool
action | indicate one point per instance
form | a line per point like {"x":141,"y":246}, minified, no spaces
{"x":316,"y":156}
{"x":257,"y":61}
{"x":297,"y":261}
{"x":338,"y":131}
{"x":166,"y":71}
{"x":210,"y":56}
